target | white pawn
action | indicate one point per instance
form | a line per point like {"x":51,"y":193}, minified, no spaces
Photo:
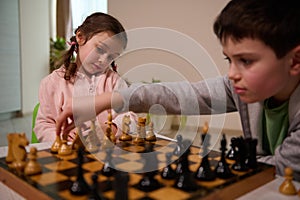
{"x":150,"y":133}
{"x":32,"y":167}
{"x":287,"y":187}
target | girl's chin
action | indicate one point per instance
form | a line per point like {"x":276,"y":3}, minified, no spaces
{"x":91,"y":72}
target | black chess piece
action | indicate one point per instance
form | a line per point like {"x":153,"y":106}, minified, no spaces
{"x":240,"y":158}
{"x":178,"y":149}
{"x":251,"y":160}
{"x":121,"y":185}
{"x":233,"y":151}
{"x":149,"y":183}
{"x":107,"y":169}
{"x":168,"y":172}
{"x":204,"y":172}
{"x":222,"y":169}
{"x":80,"y":187}
{"x":95,"y":194}
{"x":185,"y":181}
{"x":184,"y":148}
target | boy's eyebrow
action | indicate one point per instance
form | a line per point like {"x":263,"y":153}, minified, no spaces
{"x":241,"y":54}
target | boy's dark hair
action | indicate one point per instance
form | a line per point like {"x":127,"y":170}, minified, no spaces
{"x":93,"y":24}
{"x":274,"y":22}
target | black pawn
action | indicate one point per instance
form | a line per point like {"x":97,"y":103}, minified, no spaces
{"x":204,"y":172}
{"x":80,"y":187}
{"x":222,"y":169}
{"x":168,"y":172}
{"x":185,"y":180}
{"x":107,"y":169}
{"x":95,"y":195}
{"x":179,"y":146}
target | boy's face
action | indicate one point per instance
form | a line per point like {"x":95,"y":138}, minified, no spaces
{"x":98,"y":52}
{"x":256,"y":72}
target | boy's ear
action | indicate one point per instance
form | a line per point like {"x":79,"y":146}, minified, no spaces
{"x":80,"y":38}
{"x":296,"y":61}
{"x":297,"y":54}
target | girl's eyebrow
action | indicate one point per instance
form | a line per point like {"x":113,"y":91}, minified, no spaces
{"x":107,"y":48}
{"x":103,"y":44}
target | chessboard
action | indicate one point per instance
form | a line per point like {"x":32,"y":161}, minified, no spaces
{"x":60,"y":172}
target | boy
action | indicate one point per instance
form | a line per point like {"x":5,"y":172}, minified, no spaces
{"x":261,"y":41}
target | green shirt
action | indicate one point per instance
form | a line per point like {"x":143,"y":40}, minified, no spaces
{"x":275,"y":125}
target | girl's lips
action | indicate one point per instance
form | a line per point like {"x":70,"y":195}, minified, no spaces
{"x":96,"y":66}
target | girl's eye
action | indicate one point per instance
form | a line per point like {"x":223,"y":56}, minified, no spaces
{"x":110,"y":58}
{"x":100,"y":50}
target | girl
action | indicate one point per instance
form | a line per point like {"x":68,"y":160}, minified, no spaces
{"x":97,"y":42}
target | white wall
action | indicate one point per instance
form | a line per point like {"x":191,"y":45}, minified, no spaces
{"x":34,"y":27}
{"x":193,"y":18}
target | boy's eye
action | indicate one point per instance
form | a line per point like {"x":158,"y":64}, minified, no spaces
{"x":245,"y":61}
{"x":228,"y":59}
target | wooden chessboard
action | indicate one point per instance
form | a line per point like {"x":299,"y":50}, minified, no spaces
{"x":59,"y":173}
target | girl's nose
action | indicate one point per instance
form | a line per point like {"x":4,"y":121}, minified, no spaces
{"x":102,"y":58}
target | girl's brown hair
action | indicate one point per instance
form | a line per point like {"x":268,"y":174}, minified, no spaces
{"x":93,"y":24}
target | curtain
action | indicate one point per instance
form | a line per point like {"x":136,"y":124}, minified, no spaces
{"x":63,"y":19}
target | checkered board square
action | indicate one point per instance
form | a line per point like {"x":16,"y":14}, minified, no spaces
{"x":59,"y":172}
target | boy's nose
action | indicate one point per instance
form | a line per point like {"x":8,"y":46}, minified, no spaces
{"x":233,"y":73}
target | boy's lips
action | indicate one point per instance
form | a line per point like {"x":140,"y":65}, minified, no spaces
{"x":239,"y":90}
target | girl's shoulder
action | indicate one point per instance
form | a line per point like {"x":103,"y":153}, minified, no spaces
{"x":55,"y":76}
{"x":111,"y":76}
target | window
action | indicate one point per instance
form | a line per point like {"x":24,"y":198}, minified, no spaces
{"x":83,"y":8}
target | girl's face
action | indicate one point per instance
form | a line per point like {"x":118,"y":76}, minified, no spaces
{"x":97,"y":53}
{"x":256,"y":72}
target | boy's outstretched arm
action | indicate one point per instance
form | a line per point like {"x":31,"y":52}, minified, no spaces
{"x":101,"y":102}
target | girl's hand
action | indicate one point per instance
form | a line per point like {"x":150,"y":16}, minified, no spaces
{"x":63,"y":123}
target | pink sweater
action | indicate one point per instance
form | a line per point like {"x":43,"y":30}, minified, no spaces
{"x":55,"y":90}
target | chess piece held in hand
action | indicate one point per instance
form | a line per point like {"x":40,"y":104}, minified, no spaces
{"x":65,"y":149}
{"x":287,"y":187}
{"x":56,"y":145}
